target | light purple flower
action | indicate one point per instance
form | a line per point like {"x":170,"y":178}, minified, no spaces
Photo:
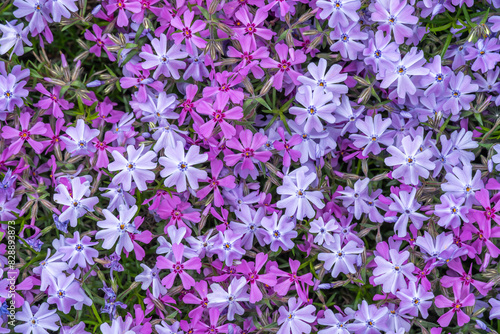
{"x":62,"y":8}
{"x":164,"y":61}
{"x":414,"y":300}
{"x":50,"y":268}
{"x":296,"y":320}
{"x":458,"y":94}
{"x":76,"y":205}
{"x":381,"y":52}
{"x":322,"y":229}
{"x":339,"y":12}
{"x":13,"y":36}
{"x":393,"y":16}
{"x":406,"y":204}
{"x":236,"y":292}
{"x":370,"y":320}
{"x":80,"y":141}
{"x":228,"y":247}
{"x":179,"y":166}
{"x":357,"y":196}
{"x":337,"y":323}
{"x":342,"y":258}
{"x":250,"y":226}
{"x":374,"y":129}
{"x":316,"y":106}
{"x":411,"y":161}
{"x":137,"y":167}
{"x":36,"y":320}
{"x":79,"y":251}
{"x":451,"y":211}
{"x":462,"y":184}
{"x":391,"y":275}
{"x":437,"y":79}
{"x":151,"y":276}
{"x":36,"y":10}
{"x":65,"y":292}
{"x":118,"y":229}
{"x":279,"y":232}
{"x":347,"y":38}
{"x":485,"y":54}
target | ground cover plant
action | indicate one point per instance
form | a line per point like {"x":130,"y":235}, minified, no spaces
{"x":249,"y":166}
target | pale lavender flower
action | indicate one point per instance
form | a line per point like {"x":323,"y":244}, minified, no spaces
{"x":151,"y":277}
{"x":437,"y":79}
{"x":459,"y":93}
{"x":462,"y":184}
{"x":228,"y":247}
{"x":50,"y":268}
{"x":79,"y":251}
{"x":316,"y":106}
{"x":462,"y":143}
{"x":36,"y":12}
{"x":345,"y":114}
{"x":296,"y":198}
{"x":370,"y":320}
{"x":446,"y":158}
{"x":408,"y":207}
{"x":164,"y":61}
{"x":295,"y":319}
{"x":164,"y":328}
{"x":485,"y":54}
{"x":342,"y":258}
{"x":37,"y":320}
{"x":62,"y":8}
{"x":374,"y":130}
{"x":329,"y":81}
{"x":250,"y":226}
{"x":65,"y":292}
{"x":323,"y":230}
{"x":76,"y":205}
{"x":118,"y":229}
{"x":496,"y":157}
{"x":279,"y":232}
{"x":357,"y":196}
{"x":157,"y":109}
{"x":197,"y":69}
{"x":12,"y":89}
{"x":495,"y":308}
{"x":411,"y":65}
{"x":347,"y":38}
{"x":339,"y":12}
{"x":412,"y":161}
{"x":308,"y":146}
{"x":393,"y":16}
{"x":117,"y":196}
{"x":179,"y":166}
{"x":80,"y":141}
{"x":337,"y":323}
{"x":137,"y":167}
{"x":13,"y":36}
{"x":414,"y":300}
{"x":451,"y":211}
{"x":381,"y":52}
{"x":391,"y":274}
{"x":236,"y":293}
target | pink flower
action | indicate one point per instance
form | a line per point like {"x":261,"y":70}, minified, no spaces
{"x":291,"y":278}
{"x":103,"y":149}
{"x":24,"y":135}
{"x":102,"y":41}
{"x":220,"y":116}
{"x":462,"y":299}
{"x":188,"y":29}
{"x":122,"y":5}
{"x":286,"y":146}
{"x":285,"y":64}
{"x":226,"y":81}
{"x":214,"y":182}
{"x":253,"y":26}
{"x":52,"y":103}
{"x":251,"y":272}
{"x":248,"y":148}
{"x":179,"y":267}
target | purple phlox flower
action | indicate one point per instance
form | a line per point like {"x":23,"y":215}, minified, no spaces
{"x":369,"y":319}
{"x":197,"y":69}
{"x":164,"y":328}
{"x":462,"y":184}
{"x":309,"y":146}
{"x":484,"y":233}
{"x":212,"y":326}
{"x":357,"y":196}
{"x":289,"y":154}
{"x":287,"y":279}
{"x":287,"y":58}
{"x":347,"y":38}
{"x":279,"y":232}
{"x":339,"y":12}
{"x":77,"y":329}
{"x":374,"y":129}
{"x":117,"y":229}
{"x":323,"y":230}
{"x":60,"y":225}
{"x":451,"y":211}
{"x":316,"y":105}
{"x":330,"y":81}
{"x":295,"y":319}
{"x":215,"y":182}
{"x":252,"y":26}
{"x":391,"y":274}
{"x":158,"y":109}
{"x":461,"y":277}
{"x":236,"y":197}
{"x":101,"y":42}
{"x":66,"y":292}
{"x":166,"y":135}
{"x":398,"y":322}
{"x":236,"y":293}
{"x":165,"y":62}
{"x":220,"y":116}
{"x":12,"y":90}
{"x":117,"y":197}
{"x":61,"y":8}
{"x":249,"y":55}
{"x":225,"y":83}
{"x":50,"y":268}
{"x":36,"y":12}
{"x":80,"y":138}
{"x":176,"y":235}
{"x":179,"y":267}
{"x":132,"y":6}
{"x":406,"y":204}
{"x":228,"y":247}
{"x":12,"y":285}
{"x":251,"y":272}
{"x":414,"y":300}
{"x":393,"y":15}
{"x":72,"y":199}
{"x":9,"y":207}
{"x":495,"y":308}
{"x":54,"y":103}
{"x":491,"y":212}
{"x":201,"y":288}
{"x":446,"y":157}
{"x":462,"y":143}
{"x":179,"y":166}
{"x":381,"y":52}
{"x":250,"y":226}
{"x":25,"y":134}
{"x":13,"y":36}
{"x":79,"y":251}
{"x":458,"y":94}
{"x":117,"y":324}
{"x":8,"y":185}
{"x":337,"y":323}
{"x":437,"y":79}
{"x":296,"y":198}
{"x":437,"y":249}
{"x":248,"y":144}
{"x":113,"y":264}
{"x":342,"y":258}
{"x":435,"y":7}
{"x":490,"y":84}
{"x":461,"y":299}
{"x":188,"y":30}
{"x":36,"y":320}
{"x":139,"y":78}
{"x":412,"y":163}
{"x":344,"y":114}
{"x":485,"y":53}
{"x":411,"y":65}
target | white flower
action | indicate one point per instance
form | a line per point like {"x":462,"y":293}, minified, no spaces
{"x":117,"y":229}
{"x":136,"y":166}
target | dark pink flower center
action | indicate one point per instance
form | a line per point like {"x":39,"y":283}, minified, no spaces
{"x":284,"y":66}
{"x":25,"y":135}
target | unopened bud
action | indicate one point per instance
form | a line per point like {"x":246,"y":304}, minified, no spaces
{"x":267,"y":86}
{"x":213,"y":7}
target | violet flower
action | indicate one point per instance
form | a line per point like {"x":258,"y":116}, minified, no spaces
{"x":458,"y":93}
{"x":391,"y":275}
{"x":65,"y":292}
{"x":462,"y":298}
{"x":253,"y":26}
{"x":462,"y":184}
{"x":101,"y":42}
{"x":393,"y":15}
{"x":295,"y":319}
{"x":347,"y":38}
{"x":61,"y":8}
{"x":236,"y":293}
{"x":406,"y":204}
{"x":79,"y":251}
{"x":132,"y":6}
{"x":322,"y":229}
{"x":117,"y":229}
{"x":414,"y":300}
{"x":220,"y":116}
{"x":339,"y":12}
{"x":370,"y":319}
{"x":178,"y":267}
{"x":72,"y":199}
{"x":228,"y":247}
{"x":251,"y":272}
{"x":279,"y":232}
{"x":341,"y":259}
{"x":165,"y":62}
{"x":316,"y":106}
{"x":381,"y":52}
{"x":287,"y":58}
{"x":374,"y":130}
{"x":13,"y":37}
{"x":451,"y":211}
{"x":248,"y":144}
{"x":80,"y":139}
{"x":36,"y":320}
{"x":188,"y":30}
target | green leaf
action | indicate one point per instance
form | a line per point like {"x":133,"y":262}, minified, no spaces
{"x":466,"y":13}
{"x":446,"y":44}
{"x":263,"y":102}
{"x":204,"y":12}
{"x":282,"y":36}
{"x":478,"y":118}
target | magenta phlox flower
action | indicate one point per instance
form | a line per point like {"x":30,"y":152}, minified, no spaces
{"x":249,"y":55}
{"x":179,"y":267}
{"x":461,"y":299}
{"x":461,"y":277}
{"x":225,"y":83}
{"x":220,"y":115}
{"x":289,"y":154}
{"x":251,"y":272}
{"x":287,"y":279}
{"x":288,"y":57}
{"x":188,"y":31}
{"x":216,"y":182}
{"x":19,"y":137}
{"x":101,"y":42}
{"x":132,"y":6}
{"x":252,"y":26}
{"x":249,"y":145}
{"x":53,"y":102}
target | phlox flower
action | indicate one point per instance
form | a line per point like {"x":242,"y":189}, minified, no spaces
{"x":249,"y":55}
{"x":253,"y":26}
{"x":287,"y":58}
{"x":357,"y":196}
{"x":337,"y":324}
{"x":225,"y":83}
{"x":66,"y":293}
{"x":341,"y":259}
{"x":292,"y":277}
{"x":50,"y":268}
{"x":216,"y":182}
{"x":228,"y":247}
{"x":80,"y":138}
{"x":37,"y":11}
{"x":72,"y":199}
{"x":459,"y":93}
{"x":101,"y":42}
{"x":381,"y":52}
{"x":165,"y":62}
{"x":322,"y":229}
{"x":461,"y":277}
{"x":370,"y":319}
{"x":347,"y":38}
{"x":391,"y":274}
{"x":178,"y":267}
{"x":406,"y":204}
{"x":12,"y":89}
{"x":25,"y":134}
{"x":79,"y":251}
{"x":289,"y":154}
{"x":461,"y":298}
{"x":188,"y":31}
{"x":220,"y":115}
{"x":61,"y":8}
{"x":201,"y":288}
{"x":36,"y":320}
{"x":485,"y":54}
{"x":248,"y":144}
{"x":374,"y":134}
{"x":197,"y":69}
{"x":295,"y":319}
{"x":339,"y":12}
{"x":117,"y":229}
{"x":414,"y":300}
{"x":315,"y":106}
{"x":54,"y":103}
{"x":13,"y":37}
{"x":279,"y":232}
{"x":236,"y":293}
{"x":461,"y":184}
{"x":451,"y":211}
{"x":179,"y":166}
{"x":132,"y":6}
{"x":393,"y":15}
{"x":250,"y":226}
{"x":251,"y":272}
